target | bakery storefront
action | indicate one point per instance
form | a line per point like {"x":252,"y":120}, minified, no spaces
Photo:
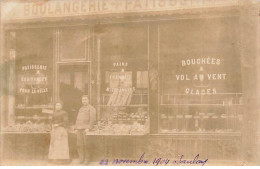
{"x":167,"y":77}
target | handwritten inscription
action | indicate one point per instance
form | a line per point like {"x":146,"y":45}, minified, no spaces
{"x":158,"y":161}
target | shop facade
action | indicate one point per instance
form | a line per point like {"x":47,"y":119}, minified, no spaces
{"x":175,"y":77}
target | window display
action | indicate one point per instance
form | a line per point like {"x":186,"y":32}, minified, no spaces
{"x":123,"y":99}
{"x":200,"y":90}
{"x":120,"y":122}
{"x":34,"y":89}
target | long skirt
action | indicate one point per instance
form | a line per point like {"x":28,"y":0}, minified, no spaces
{"x":59,"y":146}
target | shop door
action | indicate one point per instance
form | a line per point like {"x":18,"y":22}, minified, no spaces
{"x":73,"y":82}
{"x":72,"y":67}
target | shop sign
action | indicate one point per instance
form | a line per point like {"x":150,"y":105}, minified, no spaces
{"x":61,"y":8}
{"x":120,"y":79}
{"x":201,"y":82}
{"x":33,"y":79}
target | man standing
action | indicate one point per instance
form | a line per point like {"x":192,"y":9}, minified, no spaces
{"x":85,"y":121}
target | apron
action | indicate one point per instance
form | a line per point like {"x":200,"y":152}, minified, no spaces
{"x":59,"y":146}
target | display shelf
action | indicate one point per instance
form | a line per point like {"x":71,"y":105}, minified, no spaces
{"x":201,"y":104}
{"x":15,"y":132}
{"x":159,"y":134}
{"x":33,"y":118}
{"x":188,"y":133}
{"x":115,"y":134}
{"x":218,"y":99}
{"x":182,"y":94}
{"x":137,"y":105}
{"x":139,"y":99}
{"x":23,"y":132}
{"x":127,"y":121}
{"x":34,"y":107}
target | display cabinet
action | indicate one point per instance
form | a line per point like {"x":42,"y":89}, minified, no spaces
{"x":200,"y":91}
{"x":221,"y":113}
{"x":33,"y":77}
{"x":122,"y":80}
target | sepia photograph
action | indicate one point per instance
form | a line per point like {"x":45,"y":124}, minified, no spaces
{"x":130,"y":82}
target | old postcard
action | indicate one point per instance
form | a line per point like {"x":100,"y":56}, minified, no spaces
{"x":130,"y":82}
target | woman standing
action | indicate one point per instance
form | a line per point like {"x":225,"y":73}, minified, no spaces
{"x":59,"y":147}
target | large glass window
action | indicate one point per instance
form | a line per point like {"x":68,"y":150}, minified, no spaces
{"x":34,"y":79}
{"x":34,"y":62}
{"x":123,"y":77}
{"x":200,"y":81}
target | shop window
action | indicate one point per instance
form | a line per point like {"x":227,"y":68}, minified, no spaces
{"x":34,"y":67}
{"x":73,"y":42}
{"x":200,"y":83}
{"x":123,"y":79}
{"x":33,"y":78}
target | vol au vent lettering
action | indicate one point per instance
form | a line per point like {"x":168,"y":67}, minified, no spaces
{"x":199,"y":80}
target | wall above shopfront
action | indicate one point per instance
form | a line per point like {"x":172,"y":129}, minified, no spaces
{"x":50,"y":9}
